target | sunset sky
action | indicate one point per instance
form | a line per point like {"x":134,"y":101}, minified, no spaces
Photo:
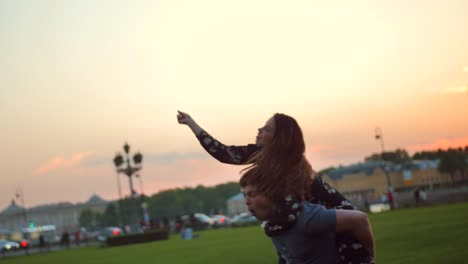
{"x":80,"y":78}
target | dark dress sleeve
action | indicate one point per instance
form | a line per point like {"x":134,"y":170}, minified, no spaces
{"x":322,"y":193}
{"x":227,"y":154}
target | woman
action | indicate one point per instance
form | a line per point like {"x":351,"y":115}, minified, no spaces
{"x":278,"y":160}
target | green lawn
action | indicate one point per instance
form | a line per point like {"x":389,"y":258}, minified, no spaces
{"x":424,"y":235}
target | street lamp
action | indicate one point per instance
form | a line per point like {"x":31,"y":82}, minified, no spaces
{"x":128,"y":169}
{"x":19,"y":193}
{"x":118,"y":160}
{"x":379,"y":136}
{"x":141,"y":183}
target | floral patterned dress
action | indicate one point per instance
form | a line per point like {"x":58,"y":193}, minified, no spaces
{"x":349,"y":249}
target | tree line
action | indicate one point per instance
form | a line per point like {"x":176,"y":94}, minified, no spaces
{"x":168,"y":203}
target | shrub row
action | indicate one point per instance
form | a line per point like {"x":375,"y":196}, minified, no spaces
{"x":138,"y":238}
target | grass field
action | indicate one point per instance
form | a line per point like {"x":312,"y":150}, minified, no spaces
{"x":436,"y":234}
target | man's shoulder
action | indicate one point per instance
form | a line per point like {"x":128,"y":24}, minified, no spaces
{"x":312,"y":207}
{"x":316,"y":212}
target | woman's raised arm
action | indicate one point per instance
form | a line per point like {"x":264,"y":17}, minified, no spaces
{"x":225,"y":154}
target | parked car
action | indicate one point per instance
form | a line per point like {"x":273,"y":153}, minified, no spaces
{"x":378,"y":207}
{"x":221,"y":221}
{"x":244,"y":219}
{"x":200,"y":221}
{"x":6,"y":245}
{"x":109,"y":232}
{"x":24,"y":243}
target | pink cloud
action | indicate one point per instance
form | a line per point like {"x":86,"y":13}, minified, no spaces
{"x":440,"y":144}
{"x":61,"y":162}
{"x":322,"y":156}
{"x":317,"y":148}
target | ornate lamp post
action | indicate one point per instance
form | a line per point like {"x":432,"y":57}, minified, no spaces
{"x":129,"y":169}
{"x":19,"y":194}
{"x":141,"y":183}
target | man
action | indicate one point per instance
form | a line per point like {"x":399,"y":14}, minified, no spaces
{"x":312,"y":238}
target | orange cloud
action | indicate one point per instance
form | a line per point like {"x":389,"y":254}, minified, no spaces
{"x":322,"y":156}
{"x":319,"y":148}
{"x":61,"y":162}
{"x":440,"y":144}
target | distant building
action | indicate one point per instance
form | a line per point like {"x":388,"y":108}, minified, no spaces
{"x":236,"y":205}
{"x":62,"y":215}
{"x":368,"y":180}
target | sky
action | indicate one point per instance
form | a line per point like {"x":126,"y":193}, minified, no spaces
{"x":78,"y":79}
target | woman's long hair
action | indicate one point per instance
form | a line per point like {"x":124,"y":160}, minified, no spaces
{"x":281,"y":168}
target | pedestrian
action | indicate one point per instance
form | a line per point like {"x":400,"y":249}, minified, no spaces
{"x":42,"y":243}
{"x":422,"y":195}
{"x":417,"y":196}
{"x":77,"y":238}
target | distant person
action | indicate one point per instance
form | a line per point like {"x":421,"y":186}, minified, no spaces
{"x":77,"y":238}
{"x":65,"y":239}
{"x":390,"y":199}
{"x":42,"y":243}
{"x":126,"y":229}
{"x":422,"y":195}
{"x":187,"y":231}
{"x":396,"y":202}
{"x":179,"y":224}
{"x":153,"y":223}
{"x":86,"y":237}
{"x":143,"y":225}
{"x":383,"y":198}
{"x":165,"y":223}
{"x":279,"y":154}
{"x":417,"y":196}
{"x":193,"y":223}
{"x":366,"y":202}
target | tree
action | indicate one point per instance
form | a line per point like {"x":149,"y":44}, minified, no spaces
{"x":87,"y":219}
{"x":325,"y":171}
{"x":453,"y":161}
{"x":170,"y":203}
{"x":200,"y":199}
{"x":427,"y":155}
{"x":399,"y":156}
{"x":110,"y":217}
